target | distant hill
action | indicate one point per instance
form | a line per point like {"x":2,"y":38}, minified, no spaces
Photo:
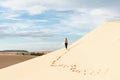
{"x":14,"y":51}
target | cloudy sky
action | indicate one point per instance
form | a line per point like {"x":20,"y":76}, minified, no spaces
{"x":36,"y":25}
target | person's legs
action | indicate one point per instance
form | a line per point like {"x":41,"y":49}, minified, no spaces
{"x":66,"y":45}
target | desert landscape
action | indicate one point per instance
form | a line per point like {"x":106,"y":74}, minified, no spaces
{"x":59,"y":39}
{"x":10,"y":58}
{"x":93,"y":57}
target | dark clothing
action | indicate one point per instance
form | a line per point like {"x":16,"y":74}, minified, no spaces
{"x":66,"y":44}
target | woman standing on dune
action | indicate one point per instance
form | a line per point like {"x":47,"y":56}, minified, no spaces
{"x":66,"y":43}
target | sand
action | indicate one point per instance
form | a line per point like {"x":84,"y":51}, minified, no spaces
{"x":96,"y":56}
{"x":8,"y":60}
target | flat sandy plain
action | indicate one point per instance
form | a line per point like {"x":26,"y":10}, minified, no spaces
{"x":8,"y":60}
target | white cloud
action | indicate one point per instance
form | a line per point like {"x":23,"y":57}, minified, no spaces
{"x":3,"y":27}
{"x":11,"y":16}
{"x":86,"y":13}
{"x":79,"y":21}
{"x":25,"y":31}
{"x":38,"y":20}
{"x":32,"y":7}
{"x":14,"y":27}
{"x":36,"y":10}
{"x":89,"y":18}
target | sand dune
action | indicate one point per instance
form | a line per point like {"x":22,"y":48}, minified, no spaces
{"x":94,"y":57}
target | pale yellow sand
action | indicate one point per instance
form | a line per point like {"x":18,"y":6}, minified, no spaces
{"x":94,"y":57}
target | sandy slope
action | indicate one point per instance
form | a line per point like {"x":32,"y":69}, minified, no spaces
{"x":94,"y":57}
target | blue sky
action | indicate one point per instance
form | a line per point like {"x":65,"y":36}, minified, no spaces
{"x":37,"y":25}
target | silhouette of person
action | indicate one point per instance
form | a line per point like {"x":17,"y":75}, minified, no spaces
{"x":66,"y":43}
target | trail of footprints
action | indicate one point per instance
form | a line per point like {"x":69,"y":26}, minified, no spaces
{"x":82,"y":71}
